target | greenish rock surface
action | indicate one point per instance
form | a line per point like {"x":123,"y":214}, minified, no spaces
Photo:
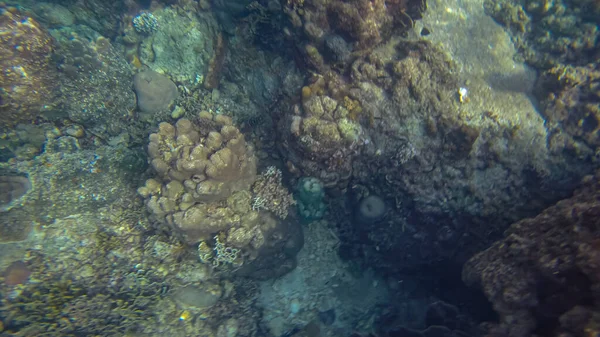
{"x":12,"y":188}
{"x":54,"y":15}
{"x":182,"y":46}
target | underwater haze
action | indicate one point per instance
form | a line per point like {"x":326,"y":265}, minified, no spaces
{"x":299,"y":168}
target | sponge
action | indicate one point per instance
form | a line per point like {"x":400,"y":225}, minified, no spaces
{"x":371,"y":209}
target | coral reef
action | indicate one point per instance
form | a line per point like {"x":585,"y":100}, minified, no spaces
{"x":214,"y":161}
{"x":219,"y":254}
{"x":311,"y":195}
{"x":452,"y":176}
{"x":67,"y":179}
{"x":550,"y":34}
{"x":145,"y":23}
{"x":543,"y":276}
{"x":399,"y":158}
{"x":26,"y":70}
{"x":198,"y":164}
{"x":570,"y":102}
{"x":101,"y":273}
{"x":205,"y":172}
{"x":323,"y":138}
{"x":79,"y":255}
{"x":252,"y":82}
{"x":337,"y":29}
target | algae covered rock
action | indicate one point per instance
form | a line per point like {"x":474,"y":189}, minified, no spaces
{"x":548,"y":34}
{"x":54,"y":15}
{"x":570,"y":98}
{"x":27,"y":74}
{"x":183,"y":45}
{"x":11,"y":189}
{"x":96,"y":85}
{"x":558,"y":249}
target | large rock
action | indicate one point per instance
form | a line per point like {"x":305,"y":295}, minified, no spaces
{"x":155,"y":92}
{"x":545,"y":272}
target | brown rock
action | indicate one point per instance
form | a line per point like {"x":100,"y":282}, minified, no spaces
{"x":27,"y":75}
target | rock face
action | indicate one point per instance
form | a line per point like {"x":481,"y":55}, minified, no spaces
{"x":572,"y":26}
{"x":155,"y":92}
{"x":96,"y":84}
{"x":27,"y":76}
{"x":442,"y":128}
{"x":183,"y":46}
{"x":546,"y":271}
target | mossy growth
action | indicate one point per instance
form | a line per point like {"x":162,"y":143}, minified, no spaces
{"x":353,"y":107}
{"x":349,"y":130}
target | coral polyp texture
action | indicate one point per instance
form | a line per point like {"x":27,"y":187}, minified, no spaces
{"x":213,"y":162}
{"x":27,"y":75}
{"x":145,"y":23}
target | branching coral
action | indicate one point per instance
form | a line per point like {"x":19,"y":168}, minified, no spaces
{"x":270,"y":194}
